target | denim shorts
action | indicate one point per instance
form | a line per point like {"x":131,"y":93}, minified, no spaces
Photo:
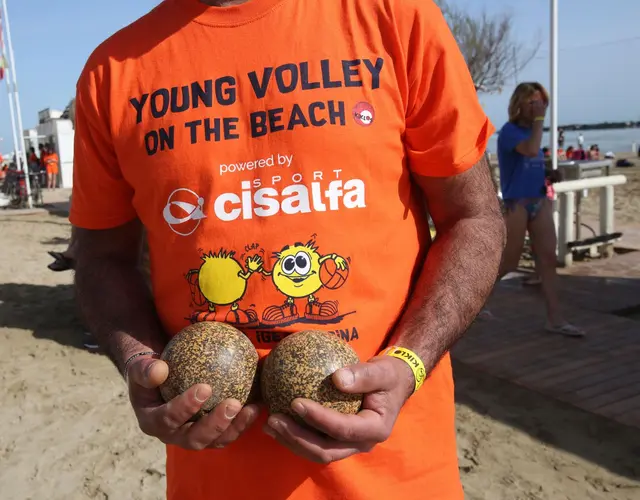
{"x":531,"y":205}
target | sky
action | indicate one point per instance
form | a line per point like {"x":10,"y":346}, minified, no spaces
{"x":599,"y":53}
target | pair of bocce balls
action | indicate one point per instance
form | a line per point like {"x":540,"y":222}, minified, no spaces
{"x":219,"y":355}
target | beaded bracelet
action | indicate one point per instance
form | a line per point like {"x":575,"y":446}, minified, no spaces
{"x":131,"y":358}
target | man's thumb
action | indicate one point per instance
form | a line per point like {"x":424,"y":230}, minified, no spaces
{"x":361,"y":378}
{"x":147,"y":372}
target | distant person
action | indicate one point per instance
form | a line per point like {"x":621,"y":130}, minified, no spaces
{"x":580,"y":154}
{"x":594,"y":152}
{"x":4,"y":199}
{"x":562,"y":154}
{"x":51,"y":162}
{"x":34,"y":166}
{"x":570,"y":152}
{"x":581,"y":140}
{"x":42,"y":153}
{"x":524,"y":191}
{"x":561,"y":138}
{"x":546,"y":152}
{"x":32,"y":159}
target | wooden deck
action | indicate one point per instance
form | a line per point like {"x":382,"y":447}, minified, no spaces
{"x":599,"y":373}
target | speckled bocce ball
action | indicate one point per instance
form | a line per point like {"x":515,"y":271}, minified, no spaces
{"x":301,"y":366}
{"x":210,"y":353}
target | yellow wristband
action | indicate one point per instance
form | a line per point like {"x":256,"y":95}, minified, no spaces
{"x":538,"y":119}
{"x":412,"y":359}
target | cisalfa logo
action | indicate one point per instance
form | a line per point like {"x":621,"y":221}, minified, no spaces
{"x":184,"y":211}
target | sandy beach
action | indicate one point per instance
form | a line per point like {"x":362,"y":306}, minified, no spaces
{"x":69,"y":432}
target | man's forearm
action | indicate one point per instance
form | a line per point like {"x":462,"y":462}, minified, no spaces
{"x":117,"y":308}
{"x":456,"y":280}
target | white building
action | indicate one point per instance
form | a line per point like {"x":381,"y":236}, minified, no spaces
{"x":55,"y":128}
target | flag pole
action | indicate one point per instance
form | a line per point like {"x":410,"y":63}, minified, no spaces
{"x":12,"y":114}
{"x":5,"y":77}
{"x":554,"y":84}
{"x":16,"y":96}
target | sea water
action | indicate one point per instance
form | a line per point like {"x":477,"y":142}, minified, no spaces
{"x":616,"y":140}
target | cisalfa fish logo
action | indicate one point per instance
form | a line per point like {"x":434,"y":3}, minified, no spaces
{"x":184,"y":211}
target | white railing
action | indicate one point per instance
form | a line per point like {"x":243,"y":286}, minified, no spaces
{"x":565,"y":218}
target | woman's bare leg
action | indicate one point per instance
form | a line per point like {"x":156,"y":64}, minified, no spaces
{"x":543,"y":236}
{"x":516,"y":223}
{"x":534,"y":279}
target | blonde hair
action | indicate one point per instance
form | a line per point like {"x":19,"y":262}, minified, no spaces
{"x":521,"y":94}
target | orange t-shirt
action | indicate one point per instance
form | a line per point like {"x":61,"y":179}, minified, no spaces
{"x":264,"y":146}
{"x":51,"y":162}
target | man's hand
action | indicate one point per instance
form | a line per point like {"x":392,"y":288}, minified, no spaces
{"x":539,"y":107}
{"x":169,"y":422}
{"x":386,"y":383}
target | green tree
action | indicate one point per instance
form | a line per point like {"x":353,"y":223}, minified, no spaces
{"x":489,"y":46}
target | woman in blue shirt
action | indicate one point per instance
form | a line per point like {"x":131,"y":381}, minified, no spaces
{"x":522,"y":181}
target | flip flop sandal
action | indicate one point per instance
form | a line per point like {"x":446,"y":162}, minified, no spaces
{"x":63,"y":264}
{"x":566,"y":329}
{"x":88,"y":344}
{"x":486,"y":314}
{"x":531,"y":281}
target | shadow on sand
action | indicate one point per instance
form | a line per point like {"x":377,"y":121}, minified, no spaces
{"x":48,"y":311}
{"x":56,"y":241}
{"x":510,"y":369}
{"x":59,"y":209}
{"x":596,"y":439}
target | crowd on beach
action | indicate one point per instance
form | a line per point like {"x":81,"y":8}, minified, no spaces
{"x":46,"y":162}
{"x":45,"y":165}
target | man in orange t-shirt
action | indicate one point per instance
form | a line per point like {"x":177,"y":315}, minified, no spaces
{"x":304,"y":144}
{"x":51,"y":162}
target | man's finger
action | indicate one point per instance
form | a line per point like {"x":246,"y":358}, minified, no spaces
{"x":364,"y":378}
{"x":144,"y":376}
{"x":282,"y":441}
{"x":168,"y":418}
{"x":242,"y":422}
{"x":366,"y":426}
{"x":212,"y":425}
{"x":147,"y":372}
{"x":310,"y":444}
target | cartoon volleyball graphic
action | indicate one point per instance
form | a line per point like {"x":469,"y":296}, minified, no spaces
{"x":298,"y":271}
{"x":333,"y":275}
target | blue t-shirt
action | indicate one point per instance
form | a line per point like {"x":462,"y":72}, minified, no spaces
{"x":520,"y":176}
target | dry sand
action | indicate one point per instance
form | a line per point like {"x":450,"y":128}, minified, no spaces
{"x":627,"y":197}
{"x":68,"y":432}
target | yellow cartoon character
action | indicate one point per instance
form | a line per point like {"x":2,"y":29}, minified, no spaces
{"x":299,"y":272}
{"x":221,"y":281}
